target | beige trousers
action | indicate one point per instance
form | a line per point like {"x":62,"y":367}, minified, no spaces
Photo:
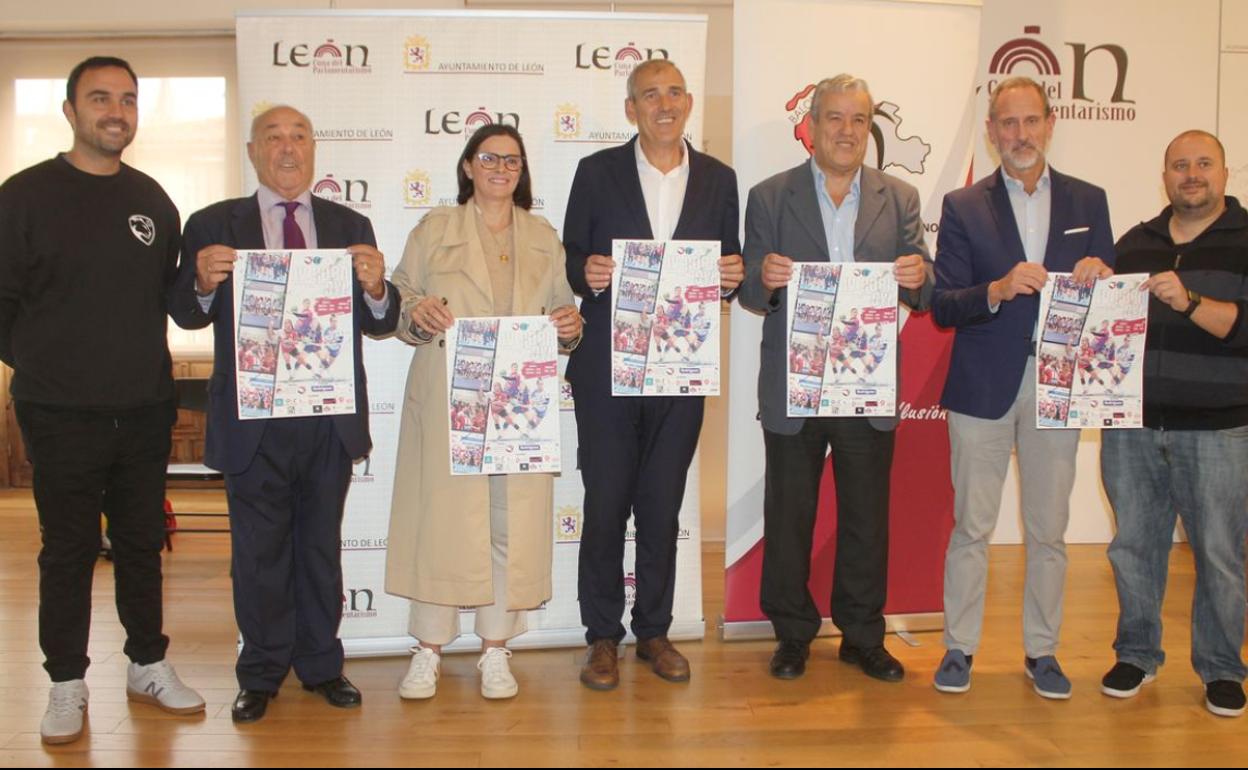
{"x":439,"y":623}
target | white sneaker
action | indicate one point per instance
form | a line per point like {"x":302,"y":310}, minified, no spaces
{"x":67,"y":705}
{"x":421,"y":680}
{"x":496,"y":679}
{"x":157,"y":684}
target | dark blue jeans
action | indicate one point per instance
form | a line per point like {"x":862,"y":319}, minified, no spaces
{"x":1152,"y":476}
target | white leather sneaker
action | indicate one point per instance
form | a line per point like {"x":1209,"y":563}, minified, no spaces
{"x":496,"y":679}
{"x":421,"y":680}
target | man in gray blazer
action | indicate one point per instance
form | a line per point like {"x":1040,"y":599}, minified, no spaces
{"x":828,"y":209}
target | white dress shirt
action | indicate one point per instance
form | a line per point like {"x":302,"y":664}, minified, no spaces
{"x":664,"y":193}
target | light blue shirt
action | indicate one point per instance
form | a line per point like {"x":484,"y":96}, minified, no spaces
{"x":272,"y":217}
{"x":1031,"y":216}
{"x":1031,"y":213}
{"x":838,"y":221}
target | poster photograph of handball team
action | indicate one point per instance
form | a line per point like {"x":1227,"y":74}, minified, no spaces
{"x":504,"y":395}
{"x":842,"y":341}
{"x":1089,"y":371}
{"x":665,"y":318}
{"x":294,"y":346}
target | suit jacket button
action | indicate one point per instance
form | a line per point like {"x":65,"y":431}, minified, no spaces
{"x":441,"y":343}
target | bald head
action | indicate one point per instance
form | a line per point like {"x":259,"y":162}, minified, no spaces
{"x":1197,"y":134}
{"x":270,"y":116}
{"x":1195,"y":176}
{"x":283,"y":151}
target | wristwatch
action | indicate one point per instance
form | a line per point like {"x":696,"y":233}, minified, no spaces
{"x":1193,"y":302}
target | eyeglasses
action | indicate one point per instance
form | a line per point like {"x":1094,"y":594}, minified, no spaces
{"x":489,"y":161}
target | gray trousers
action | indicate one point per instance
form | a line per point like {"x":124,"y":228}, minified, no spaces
{"x":980,"y":454}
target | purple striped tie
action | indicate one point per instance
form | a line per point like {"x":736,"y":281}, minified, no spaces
{"x":292,"y":236}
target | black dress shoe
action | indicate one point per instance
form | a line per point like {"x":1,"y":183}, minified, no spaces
{"x":250,"y":705}
{"x":789,"y":659}
{"x":875,"y":662}
{"x":337,"y":692}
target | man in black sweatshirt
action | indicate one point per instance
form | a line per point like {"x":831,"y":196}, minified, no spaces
{"x":88,"y":247}
{"x":1189,"y":458}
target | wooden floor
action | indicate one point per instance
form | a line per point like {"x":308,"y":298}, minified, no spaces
{"x":732,"y":713}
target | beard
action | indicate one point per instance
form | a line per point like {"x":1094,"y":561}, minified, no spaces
{"x":1194,"y":200}
{"x":1023,"y":158}
{"x":99,"y":138}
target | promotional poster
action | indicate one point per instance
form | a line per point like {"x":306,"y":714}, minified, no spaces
{"x":1089,"y":371}
{"x":665,"y":318}
{"x":293,"y":321}
{"x":504,"y":387}
{"x":842,"y":340}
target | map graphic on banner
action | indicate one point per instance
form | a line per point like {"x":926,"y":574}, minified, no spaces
{"x":294,"y":343}
{"x":503,"y":386}
{"x":842,"y":340}
{"x":665,"y":318}
{"x":1089,"y":363}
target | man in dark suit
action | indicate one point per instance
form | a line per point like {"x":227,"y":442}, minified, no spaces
{"x":830,"y":208}
{"x":635,"y":452}
{"x":286,"y":479}
{"x":998,"y":240}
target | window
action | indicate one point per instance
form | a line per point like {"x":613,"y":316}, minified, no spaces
{"x":186,"y":138}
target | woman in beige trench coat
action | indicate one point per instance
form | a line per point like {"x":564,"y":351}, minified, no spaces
{"x":459,"y":541}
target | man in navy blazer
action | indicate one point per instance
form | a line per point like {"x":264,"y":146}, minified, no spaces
{"x":286,"y":479}
{"x":635,"y":453}
{"x":999,"y":238}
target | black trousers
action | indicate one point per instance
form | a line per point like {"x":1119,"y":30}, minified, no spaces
{"x":634,"y":456}
{"x":88,"y":462}
{"x":286,"y":534}
{"x":862,"y":459}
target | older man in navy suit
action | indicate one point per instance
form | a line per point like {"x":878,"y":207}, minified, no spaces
{"x":635,"y":452}
{"x":286,"y":479}
{"x":998,"y":241}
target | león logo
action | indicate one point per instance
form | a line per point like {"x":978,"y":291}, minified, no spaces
{"x":466,"y":122}
{"x":328,"y":58}
{"x":417,"y":189}
{"x":352,"y":193}
{"x":419,"y":59}
{"x":416,"y":54}
{"x":621,"y":61}
{"x":568,"y":524}
{"x":567,"y":121}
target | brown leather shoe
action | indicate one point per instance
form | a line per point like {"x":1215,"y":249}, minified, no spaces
{"x":602,"y":665}
{"x":663,"y":658}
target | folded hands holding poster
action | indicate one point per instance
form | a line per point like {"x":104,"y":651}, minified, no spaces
{"x":665,"y":318}
{"x":293,"y":342}
{"x":503,"y":381}
{"x":842,"y":340}
{"x":1089,"y":371}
